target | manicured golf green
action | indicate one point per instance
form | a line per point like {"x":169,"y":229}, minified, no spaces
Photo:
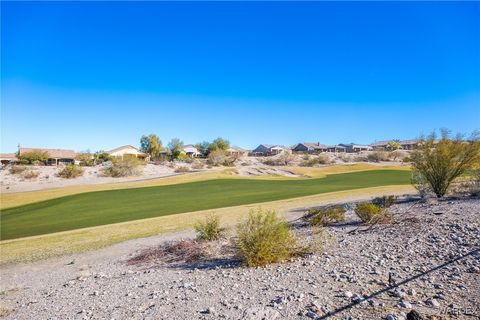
{"x":105,"y":207}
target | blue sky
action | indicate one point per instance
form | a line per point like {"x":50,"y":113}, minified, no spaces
{"x":96,"y":75}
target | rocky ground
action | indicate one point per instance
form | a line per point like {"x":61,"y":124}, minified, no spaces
{"x":382,"y":272}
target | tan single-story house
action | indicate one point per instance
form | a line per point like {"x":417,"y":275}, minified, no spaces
{"x":55,"y":156}
{"x":190,"y":150}
{"x":310,"y":147}
{"x":236,"y":152}
{"x":410,"y":144}
{"x":6,"y":158}
{"x":128,"y":151}
{"x":381,"y":145}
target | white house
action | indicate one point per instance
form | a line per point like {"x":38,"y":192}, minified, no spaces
{"x":129,"y":151}
{"x":191,"y":151}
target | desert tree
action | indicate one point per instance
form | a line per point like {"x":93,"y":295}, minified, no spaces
{"x":151,"y":145}
{"x":175,"y":147}
{"x":202,"y":147}
{"x":437,"y":163}
{"x":219,"y":144}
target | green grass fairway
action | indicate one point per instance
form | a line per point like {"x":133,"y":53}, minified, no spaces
{"x":105,"y":207}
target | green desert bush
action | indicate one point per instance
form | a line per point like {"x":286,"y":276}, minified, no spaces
{"x":30,"y":174}
{"x":70,"y":171}
{"x":320,"y":159}
{"x":440,"y":162}
{"x":85,"y":159}
{"x":17,"y":169}
{"x":182,"y":169}
{"x":372,"y":214}
{"x":264,"y":238}
{"x":34,"y":156}
{"x":209,"y":229}
{"x":385,"y":201}
{"x":326,"y":216}
{"x":128,"y":166}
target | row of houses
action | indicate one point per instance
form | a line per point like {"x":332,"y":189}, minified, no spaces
{"x":317,"y":147}
{"x":63,"y":156}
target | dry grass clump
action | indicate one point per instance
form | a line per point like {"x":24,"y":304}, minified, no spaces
{"x":30,"y":174}
{"x":320,"y":159}
{"x":209,"y":229}
{"x":385,"y":201}
{"x":182,"y":251}
{"x":378,"y":156}
{"x":123,"y":168}
{"x":70,"y":171}
{"x":182,"y":169}
{"x":326,"y":216}
{"x":372,"y":214}
{"x":264,"y":238}
{"x":198,"y":165}
{"x":17,"y":169}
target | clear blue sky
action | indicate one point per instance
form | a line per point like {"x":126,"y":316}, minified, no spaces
{"x":88,"y":75}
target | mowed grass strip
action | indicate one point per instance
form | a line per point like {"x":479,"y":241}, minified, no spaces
{"x":105,"y":207}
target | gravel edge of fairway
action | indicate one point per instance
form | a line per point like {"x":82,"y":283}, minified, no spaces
{"x":75,"y":241}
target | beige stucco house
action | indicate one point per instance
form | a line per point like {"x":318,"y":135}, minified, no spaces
{"x":129,"y":151}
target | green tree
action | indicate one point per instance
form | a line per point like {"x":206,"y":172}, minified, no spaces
{"x":151,"y":145}
{"x":438,"y":163}
{"x":175,"y":146}
{"x":219,"y":144}
{"x":33,"y":156}
{"x":202,"y":147}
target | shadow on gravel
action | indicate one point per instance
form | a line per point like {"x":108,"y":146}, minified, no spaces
{"x":395,"y":285}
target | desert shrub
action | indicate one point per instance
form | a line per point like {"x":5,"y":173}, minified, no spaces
{"x":385,"y":201}
{"x":269,"y":162}
{"x":396,"y":155}
{"x":438,"y":163}
{"x":183,"y":157}
{"x":320,"y":159}
{"x":377,"y":156}
{"x":475,"y":188}
{"x":209,"y":229}
{"x":345,"y":157}
{"x":171,"y":252}
{"x":182,"y":169}
{"x":198,"y":165}
{"x":285,"y":158}
{"x":85,"y":159}
{"x":34,"y":156}
{"x":326,"y":216}
{"x":123,"y":168}
{"x":406,"y":159}
{"x":371,"y":214}
{"x":70,"y":171}
{"x":360,"y":158}
{"x":30,"y":174}
{"x":17,"y":169}
{"x":264,"y":238}
{"x":216,"y":157}
{"x":102,"y":156}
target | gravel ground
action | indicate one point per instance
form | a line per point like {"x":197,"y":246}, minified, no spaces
{"x":349,"y":279}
